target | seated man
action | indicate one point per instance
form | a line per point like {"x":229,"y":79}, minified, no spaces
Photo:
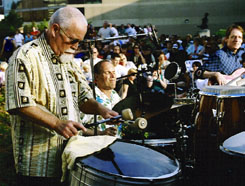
{"x":105,"y":79}
{"x":224,"y":61}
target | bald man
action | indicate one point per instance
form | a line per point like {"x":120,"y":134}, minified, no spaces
{"x":45,"y":92}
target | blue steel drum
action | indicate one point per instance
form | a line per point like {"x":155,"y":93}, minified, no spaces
{"x":124,"y":163}
{"x":233,"y":160}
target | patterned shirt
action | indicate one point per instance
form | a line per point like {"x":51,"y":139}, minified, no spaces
{"x":223,"y":61}
{"x":105,"y":101}
{"x":36,"y":77}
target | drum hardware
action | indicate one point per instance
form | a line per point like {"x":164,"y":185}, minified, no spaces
{"x":183,"y":135}
{"x":219,"y":114}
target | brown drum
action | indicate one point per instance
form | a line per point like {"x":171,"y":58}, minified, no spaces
{"x":221,"y":115}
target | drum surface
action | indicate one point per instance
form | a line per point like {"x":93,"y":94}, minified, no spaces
{"x":133,"y":160}
{"x":223,"y":91}
{"x":235,"y":144}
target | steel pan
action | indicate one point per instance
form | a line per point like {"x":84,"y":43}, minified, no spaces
{"x":124,"y":163}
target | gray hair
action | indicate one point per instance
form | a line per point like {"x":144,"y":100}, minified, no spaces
{"x":63,"y":17}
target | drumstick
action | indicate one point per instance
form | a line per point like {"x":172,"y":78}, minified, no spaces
{"x":126,"y":115}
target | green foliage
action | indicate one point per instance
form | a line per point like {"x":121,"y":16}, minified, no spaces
{"x":221,"y":32}
{"x":11,"y":23}
{"x":41,"y":26}
{"x":5,"y":138}
{"x":7,"y":170}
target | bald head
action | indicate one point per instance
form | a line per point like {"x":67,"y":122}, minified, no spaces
{"x":66,"y":16}
{"x":67,"y":27}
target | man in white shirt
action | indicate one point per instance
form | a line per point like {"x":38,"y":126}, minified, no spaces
{"x":18,"y":39}
{"x":105,"y":79}
{"x":114,"y":32}
{"x":104,"y":32}
{"x":120,"y":70}
{"x":95,"y":57}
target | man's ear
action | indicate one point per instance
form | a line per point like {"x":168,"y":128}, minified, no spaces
{"x":55,"y":29}
{"x":96,"y":78}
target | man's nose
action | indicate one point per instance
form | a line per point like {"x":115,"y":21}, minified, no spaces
{"x":75,"y":46}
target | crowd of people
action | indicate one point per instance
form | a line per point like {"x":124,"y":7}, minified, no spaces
{"x":48,"y":91}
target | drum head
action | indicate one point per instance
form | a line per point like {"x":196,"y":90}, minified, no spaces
{"x":223,"y":91}
{"x":132,"y":160}
{"x":235,"y":145}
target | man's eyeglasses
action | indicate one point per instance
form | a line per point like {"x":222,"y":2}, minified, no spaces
{"x":72,"y":40}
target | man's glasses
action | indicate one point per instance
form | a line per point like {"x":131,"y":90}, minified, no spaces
{"x":72,"y":40}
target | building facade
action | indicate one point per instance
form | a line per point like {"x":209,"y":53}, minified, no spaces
{"x":169,"y":16}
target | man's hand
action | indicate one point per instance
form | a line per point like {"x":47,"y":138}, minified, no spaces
{"x":68,"y":128}
{"x":111,"y":131}
{"x":220,"y":78}
{"x":107,"y":113}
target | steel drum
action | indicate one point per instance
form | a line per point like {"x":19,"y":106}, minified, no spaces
{"x":124,"y":163}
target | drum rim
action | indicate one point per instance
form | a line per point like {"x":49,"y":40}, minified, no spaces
{"x":178,"y":70}
{"x":176,"y":172}
{"x":203,"y":93}
{"x":229,"y":152}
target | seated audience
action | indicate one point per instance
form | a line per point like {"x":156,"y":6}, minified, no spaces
{"x":156,"y":82}
{"x":127,"y":64}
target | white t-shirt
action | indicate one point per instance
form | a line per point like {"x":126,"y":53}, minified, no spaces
{"x":104,"y":32}
{"x":19,"y":38}
{"x":130,"y":65}
{"x":120,"y":71}
{"x":95,"y":61}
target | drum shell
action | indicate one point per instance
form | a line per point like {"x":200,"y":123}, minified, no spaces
{"x":232,"y":116}
{"x":209,"y":133}
{"x":87,"y":175}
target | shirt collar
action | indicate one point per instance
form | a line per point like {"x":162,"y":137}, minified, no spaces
{"x":229,"y":52}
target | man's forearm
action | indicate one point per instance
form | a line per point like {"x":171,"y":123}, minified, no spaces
{"x":39,"y":116}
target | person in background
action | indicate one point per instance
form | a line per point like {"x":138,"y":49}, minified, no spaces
{"x":124,"y":50}
{"x":224,"y":61}
{"x":87,"y":72}
{"x":243,"y":60}
{"x":194,"y":50}
{"x":104,"y":32}
{"x":156,"y":82}
{"x":95,"y":57}
{"x":129,"y":84}
{"x":28,"y":37}
{"x":137,"y":56}
{"x":18,"y":39}
{"x":46,"y":93}
{"x":163,"y":62}
{"x":35,"y":32}
{"x":8,"y":47}
{"x":124,"y":62}
{"x":115,"y":49}
{"x":105,"y":80}
{"x":197,"y":83}
{"x":3,"y":67}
